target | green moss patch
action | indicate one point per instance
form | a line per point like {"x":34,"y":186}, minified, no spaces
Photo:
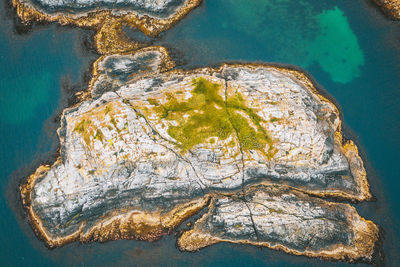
{"x":84,"y":128}
{"x":89,"y":131}
{"x":206,"y":114}
{"x":274,"y":119}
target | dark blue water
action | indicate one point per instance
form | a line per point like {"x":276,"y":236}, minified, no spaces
{"x":349,"y":47}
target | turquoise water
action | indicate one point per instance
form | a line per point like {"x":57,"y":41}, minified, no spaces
{"x":349,"y":47}
{"x":310,"y":36}
{"x":303,"y":33}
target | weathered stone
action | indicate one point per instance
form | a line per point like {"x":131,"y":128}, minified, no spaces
{"x":113,"y":71}
{"x":147,"y":148}
{"x":284,"y":219}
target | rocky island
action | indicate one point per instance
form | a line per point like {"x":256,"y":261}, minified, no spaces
{"x":255,"y":148}
{"x":108,"y":17}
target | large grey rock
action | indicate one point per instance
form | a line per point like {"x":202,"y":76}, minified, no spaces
{"x":284,"y":219}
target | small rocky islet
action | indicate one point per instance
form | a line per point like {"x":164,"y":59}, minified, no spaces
{"x":254,"y":148}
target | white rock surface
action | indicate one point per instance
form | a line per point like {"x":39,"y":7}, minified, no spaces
{"x":279,"y":218}
{"x":124,"y":158}
{"x":148,"y":7}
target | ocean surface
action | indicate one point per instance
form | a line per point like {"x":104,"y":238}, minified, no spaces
{"x":349,"y":47}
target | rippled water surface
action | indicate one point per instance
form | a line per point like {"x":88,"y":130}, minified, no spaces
{"x":349,"y":47}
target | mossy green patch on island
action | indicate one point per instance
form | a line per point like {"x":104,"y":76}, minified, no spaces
{"x":274,"y":119}
{"x":152,"y":101}
{"x":206,"y":115}
{"x":272,"y":210}
{"x":112,"y":120}
{"x":89,"y":131}
{"x":107,"y":109}
{"x":99,"y":135}
{"x":85,"y":129}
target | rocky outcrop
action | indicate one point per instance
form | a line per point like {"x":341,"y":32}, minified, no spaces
{"x":108,"y":17}
{"x":148,"y":147}
{"x":390,"y":7}
{"x":113,"y":71}
{"x":284,"y":219}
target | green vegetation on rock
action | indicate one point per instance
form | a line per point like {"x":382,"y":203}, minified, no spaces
{"x":84,"y":128}
{"x":89,"y":131}
{"x":206,"y":115}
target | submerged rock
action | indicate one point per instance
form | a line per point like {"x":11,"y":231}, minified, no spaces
{"x":149,"y":147}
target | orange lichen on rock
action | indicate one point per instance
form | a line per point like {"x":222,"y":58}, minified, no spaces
{"x":140,"y":225}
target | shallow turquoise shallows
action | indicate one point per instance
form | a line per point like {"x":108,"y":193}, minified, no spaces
{"x":348,"y":47}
